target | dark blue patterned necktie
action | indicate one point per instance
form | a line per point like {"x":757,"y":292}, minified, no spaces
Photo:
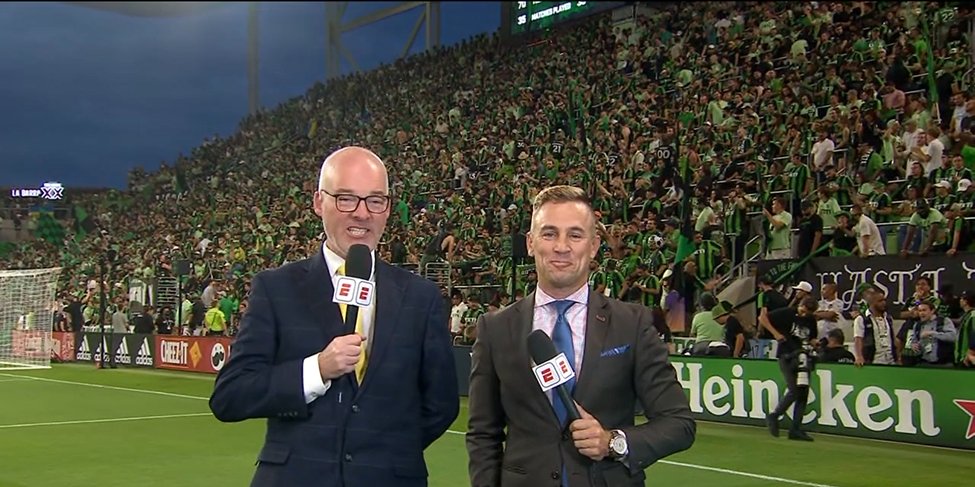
{"x":562,"y":338}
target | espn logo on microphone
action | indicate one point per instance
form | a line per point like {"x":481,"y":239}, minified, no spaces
{"x":554,"y":372}
{"x":352,"y":291}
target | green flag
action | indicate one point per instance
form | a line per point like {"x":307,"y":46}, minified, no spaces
{"x":932,"y":83}
{"x":82,"y":223}
{"x":685,"y":241}
{"x":179,"y":182}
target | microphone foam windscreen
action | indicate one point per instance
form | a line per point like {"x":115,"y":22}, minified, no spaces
{"x":540,"y":347}
{"x":358,"y":263}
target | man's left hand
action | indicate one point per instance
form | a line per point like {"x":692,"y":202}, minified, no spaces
{"x":589,"y":436}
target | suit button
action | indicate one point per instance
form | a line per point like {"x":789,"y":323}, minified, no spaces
{"x":348,"y":457}
{"x":555,"y":475}
{"x":355,"y":408}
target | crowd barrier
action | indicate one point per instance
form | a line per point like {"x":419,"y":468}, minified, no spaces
{"x":191,"y":354}
{"x":891,"y":273}
{"x":913,"y":405}
{"x":756,"y":348}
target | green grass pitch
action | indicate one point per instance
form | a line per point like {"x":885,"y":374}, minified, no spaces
{"x":73,"y":425}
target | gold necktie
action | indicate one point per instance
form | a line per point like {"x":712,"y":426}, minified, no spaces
{"x":360,"y":366}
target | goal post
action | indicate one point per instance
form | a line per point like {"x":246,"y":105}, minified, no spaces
{"x":27,"y":303}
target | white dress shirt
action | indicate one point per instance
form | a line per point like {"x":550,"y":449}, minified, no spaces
{"x":545,"y":315}
{"x":314,"y":385}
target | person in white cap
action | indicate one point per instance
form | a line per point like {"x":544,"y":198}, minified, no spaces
{"x":943,"y":199}
{"x":802,"y":290}
{"x":966,"y":197}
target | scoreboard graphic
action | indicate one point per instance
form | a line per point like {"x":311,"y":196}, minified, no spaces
{"x":534,"y":16}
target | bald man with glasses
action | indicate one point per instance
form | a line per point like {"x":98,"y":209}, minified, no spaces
{"x":342,"y":409}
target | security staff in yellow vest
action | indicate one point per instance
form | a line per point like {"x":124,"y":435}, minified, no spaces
{"x":215,"y":322}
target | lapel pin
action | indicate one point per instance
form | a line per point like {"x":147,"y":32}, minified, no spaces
{"x":601,"y":318}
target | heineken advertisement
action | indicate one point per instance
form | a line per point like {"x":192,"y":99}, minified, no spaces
{"x":893,"y":274}
{"x":911,"y":405}
{"x":757,"y":348}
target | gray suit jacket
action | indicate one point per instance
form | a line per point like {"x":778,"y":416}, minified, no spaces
{"x":513,"y":437}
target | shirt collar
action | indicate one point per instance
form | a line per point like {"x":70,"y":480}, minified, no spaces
{"x":334,"y":261}
{"x":581,"y":295}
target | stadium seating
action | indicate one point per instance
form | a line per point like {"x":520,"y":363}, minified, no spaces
{"x":471,"y":132}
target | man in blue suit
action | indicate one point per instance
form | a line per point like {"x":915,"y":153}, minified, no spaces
{"x":295,"y":363}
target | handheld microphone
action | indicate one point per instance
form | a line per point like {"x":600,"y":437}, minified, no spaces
{"x":354,"y":289}
{"x":552,"y":370}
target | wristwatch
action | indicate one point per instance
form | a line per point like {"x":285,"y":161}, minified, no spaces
{"x":618,"y":447}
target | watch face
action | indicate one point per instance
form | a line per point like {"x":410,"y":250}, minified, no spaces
{"x":618,"y":445}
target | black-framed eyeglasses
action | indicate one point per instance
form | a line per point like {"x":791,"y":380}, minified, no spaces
{"x":348,"y":203}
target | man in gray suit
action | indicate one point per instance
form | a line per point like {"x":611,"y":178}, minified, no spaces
{"x":517,"y":434}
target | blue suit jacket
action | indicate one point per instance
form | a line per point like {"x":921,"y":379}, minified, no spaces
{"x":368,"y":435}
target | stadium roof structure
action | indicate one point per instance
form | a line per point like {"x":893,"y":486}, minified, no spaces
{"x":335,"y":27}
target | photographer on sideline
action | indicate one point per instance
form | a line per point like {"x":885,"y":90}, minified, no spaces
{"x":795,"y":330}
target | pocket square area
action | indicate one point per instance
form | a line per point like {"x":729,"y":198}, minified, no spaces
{"x":614,"y":351}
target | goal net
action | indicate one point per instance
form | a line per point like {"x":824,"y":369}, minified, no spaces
{"x":27,"y":300}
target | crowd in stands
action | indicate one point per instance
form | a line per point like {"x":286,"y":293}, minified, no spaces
{"x":846,"y":128}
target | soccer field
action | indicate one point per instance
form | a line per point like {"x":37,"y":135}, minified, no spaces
{"x":74,"y":425}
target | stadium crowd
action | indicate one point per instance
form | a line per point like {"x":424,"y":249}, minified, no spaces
{"x":846,"y":128}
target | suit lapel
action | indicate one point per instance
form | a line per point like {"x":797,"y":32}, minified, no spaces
{"x":317,"y":287}
{"x":597,"y":325}
{"x":519,"y":344}
{"x":389,"y":300}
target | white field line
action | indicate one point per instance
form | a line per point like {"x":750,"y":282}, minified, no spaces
{"x":105,"y":420}
{"x":102,"y":386}
{"x":724,"y":471}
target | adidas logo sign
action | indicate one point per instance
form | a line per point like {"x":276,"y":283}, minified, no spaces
{"x":122,"y":354}
{"x":98,"y":351}
{"x":84,"y":353}
{"x":144,"y":357}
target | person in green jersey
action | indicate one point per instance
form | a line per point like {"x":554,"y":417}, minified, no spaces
{"x":879,"y":206}
{"x":613,"y":279}
{"x":735,"y":220}
{"x":827,"y":207}
{"x":597,"y":277}
{"x":780,"y":226}
{"x":965,"y":344}
{"x":708,"y":256}
{"x":958,"y":170}
{"x":933,"y":226}
{"x":469,"y":318}
{"x":940,"y":173}
{"x":800,"y":182}
{"x":943,"y":199}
